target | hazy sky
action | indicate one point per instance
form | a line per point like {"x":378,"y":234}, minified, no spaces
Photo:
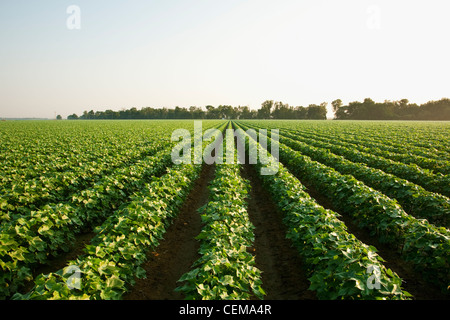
{"x":167,"y":53}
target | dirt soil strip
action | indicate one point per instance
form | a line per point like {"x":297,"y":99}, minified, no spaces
{"x":178,"y":250}
{"x":413,"y":281}
{"x":283,"y":276}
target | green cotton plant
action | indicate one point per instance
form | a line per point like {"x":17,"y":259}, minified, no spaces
{"x":46,"y":170}
{"x":401,"y":153}
{"x":438,"y":183}
{"x":35,"y":238}
{"x":112,"y":260}
{"x":61,"y":172}
{"x":226,"y":274}
{"x":419,"y":242}
{"x":355,"y":152}
{"x":414,"y":198}
{"x":338,"y":264}
{"x":382,"y":216}
{"x":225,"y":270}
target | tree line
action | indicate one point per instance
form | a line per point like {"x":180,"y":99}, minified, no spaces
{"x":270,"y":109}
{"x":392,"y":110}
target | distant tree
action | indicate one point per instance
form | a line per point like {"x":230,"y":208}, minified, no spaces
{"x":336,"y":105}
{"x":254,"y":114}
{"x":317,"y":112}
{"x":300,"y":113}
{"x":110,"y":114}
{"x":196,"y":113}
{"x":435,"y":110}
{"x":282,"y":111}
{"x":236,"y":113}
{"x":72,"y":117}
{"x":58,"y":117}
{"x":266,"y":107}
{"x":181,"y":113}
{"x":212,"y":113}
{"x":226,"y":112}
{"x":244,"y":112}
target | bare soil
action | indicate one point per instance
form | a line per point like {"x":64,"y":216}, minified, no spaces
{"x":177,"y":251}
{"x":283,"y":275}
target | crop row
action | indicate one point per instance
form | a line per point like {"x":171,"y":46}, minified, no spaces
{"x":138,"y":206}
{"x":39,"y":163}
{"x":46,"y":153}
{"x":420,"y":243}
{"x":413,"y":198}
{"x":21,"y":199}
{"x":433,"y":182}
{"x":423,"y":159}
{"x":34,"y":149}
{"x":34,"y":238}
{"x":427,"y":139}
{"x":226,"y":270}
{"x":31,"y":189}
{"x":111,"y":262}
{"x":338,"y":264}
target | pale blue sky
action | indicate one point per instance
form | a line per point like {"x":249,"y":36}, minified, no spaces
{"x":198,"y":52}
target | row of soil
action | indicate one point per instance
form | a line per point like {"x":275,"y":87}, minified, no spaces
{"x":283,"y":276}
{"x":177,"y":251}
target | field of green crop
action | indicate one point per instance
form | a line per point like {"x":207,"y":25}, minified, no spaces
{"x":98,"y":210}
